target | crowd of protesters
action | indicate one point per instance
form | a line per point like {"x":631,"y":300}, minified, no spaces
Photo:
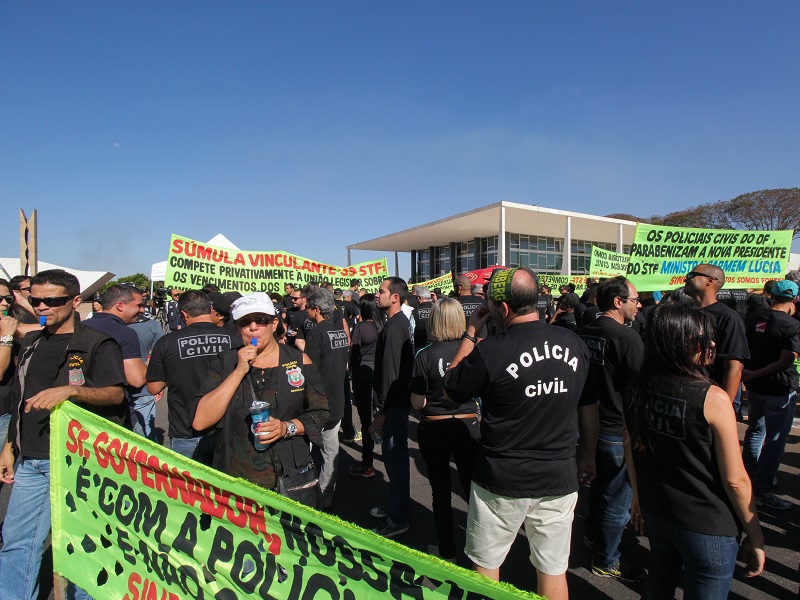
{"x":635,"y":394}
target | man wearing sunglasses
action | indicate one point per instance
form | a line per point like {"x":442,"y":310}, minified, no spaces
{"x":64,"y":361}
{"x":179,"y":362}
{"x":702,"y":284}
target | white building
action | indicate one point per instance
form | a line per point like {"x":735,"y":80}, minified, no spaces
{"x":547,"y":240}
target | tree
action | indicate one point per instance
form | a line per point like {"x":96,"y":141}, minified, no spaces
{"x":764,"y":210}
{"x":140,"y":280}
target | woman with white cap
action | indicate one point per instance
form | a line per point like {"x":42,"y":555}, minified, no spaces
{"x":262,"y":371}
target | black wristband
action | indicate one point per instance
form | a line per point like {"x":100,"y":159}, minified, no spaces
{"x":466,"y":336}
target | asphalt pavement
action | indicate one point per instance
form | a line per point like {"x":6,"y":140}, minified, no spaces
{"x":355,"y":496}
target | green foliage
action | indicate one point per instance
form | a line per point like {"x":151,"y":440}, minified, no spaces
{"x":764,"y":210}
{"x":140,"y":280}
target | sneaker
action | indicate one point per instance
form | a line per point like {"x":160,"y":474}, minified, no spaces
{"x":379,"y":512}
{"x":361,"y":470}
{"x":620,"y":571}
{"x":774,"y":502}
{"x":389,"y":529}
{"x":358,"y":436}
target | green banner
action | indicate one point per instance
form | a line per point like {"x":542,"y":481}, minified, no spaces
{"x":606,"y":264}
{"x":444,"y":282}
{"x":662,"y":256}
{"x":134,"y":521}
{"x":192,"y":264}
{"x":555,"y":281}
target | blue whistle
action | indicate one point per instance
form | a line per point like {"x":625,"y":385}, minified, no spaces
{"x":254,"y":341}
{"x":42,"y":321}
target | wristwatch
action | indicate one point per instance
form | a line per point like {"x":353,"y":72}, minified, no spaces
{"x":6,"y":340}
{"x":466,"y":336}
{"x":291,"y":430}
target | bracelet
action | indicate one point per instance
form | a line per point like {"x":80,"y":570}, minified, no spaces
{"x":466,"y":336}
{"x":6,"y":344}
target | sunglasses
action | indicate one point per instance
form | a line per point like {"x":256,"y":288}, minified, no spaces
{"x":9,"y":299}
{"x":262,"y":320}
{"x":693,"y":274}
{"x":27,"y":289}
{"x":52,"y":302}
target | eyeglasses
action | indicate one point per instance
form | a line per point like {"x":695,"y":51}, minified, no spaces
{"x":260,"y":320}
{"x":693,"y":274}
{"x":295,"y":298}
{"x":9,"y":299}
{"x":27,"y":289}
{"x":634,"y":300}
{"x":52,"y":302}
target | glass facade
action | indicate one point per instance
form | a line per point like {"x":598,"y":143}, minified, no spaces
{"x":540,"y":253}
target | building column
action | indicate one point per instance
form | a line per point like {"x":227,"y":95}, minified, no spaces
{"x":619,"y":238}
{"x":396,"y":265}
{"x":501,"y":238}
{"x":349,"y":260}
{"x":566,"y":263}
{"x":414,"y":274}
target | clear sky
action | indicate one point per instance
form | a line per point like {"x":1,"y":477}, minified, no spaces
{"x":307,"y":126}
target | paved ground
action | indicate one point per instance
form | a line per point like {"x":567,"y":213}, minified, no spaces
{"x":355,"y":496}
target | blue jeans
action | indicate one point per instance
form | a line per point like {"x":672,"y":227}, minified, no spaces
{"x":611,"y":500}
{"x":395,"y":459}
{"x":199,"y":448}
{"x":25,"y":529}
{"x":143,"y":416}
{"x":769,"y":422}
{"x":702,"y":564}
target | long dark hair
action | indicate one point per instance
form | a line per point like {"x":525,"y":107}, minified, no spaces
{"x":370,"y":311}
{"x":675,"y":333}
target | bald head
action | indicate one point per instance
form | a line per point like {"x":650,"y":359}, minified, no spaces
{"x":714,"y":271}
{"x":463,"y":285}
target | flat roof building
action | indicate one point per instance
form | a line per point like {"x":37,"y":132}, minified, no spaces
{"x":557,"y":242}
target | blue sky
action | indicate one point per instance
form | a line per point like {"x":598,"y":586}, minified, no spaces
{"x":308,"y":126}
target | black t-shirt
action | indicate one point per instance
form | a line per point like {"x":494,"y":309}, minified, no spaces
{"x":470,"y":304}
{"x":529,"y":379}
{"x":421,"y":315}
{"x":615,"y":353}
{"x":294,"y":323}
{"x":769,"y":333}
{"x":362,"y":352}
{"x":181,"y":359}
{"x":327,"y":347}
{"x":349,"y":310}
{"x":104,"y":369}
{"x":591,"y":313}
{"x":755,"y":302}
{"x":427,"y":379}
{"x":730,"y":338}
{"x":567,"y":320}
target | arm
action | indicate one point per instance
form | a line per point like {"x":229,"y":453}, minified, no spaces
{"x":785,"y":361}
{"x":156,"y":387}
{"x":732,"y":377}
{"x":718,"y":411}
{"x":50,"y":398}
{"x":213,"y":405}
{"x":135,"y":371}
{"x":477,"y":321}
{"x":8,"y":326}
{"x":589,"y":426}
{"x":418,"y":402}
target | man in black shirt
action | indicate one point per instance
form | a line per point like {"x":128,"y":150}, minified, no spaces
{"x":421,"y":315}
{"x":774,"y":340}
{"x":616,"y":353}
{"x":702,"y":285}
{"x":394,"y":361}
{"x":295,"y":319}
{"x":529,"y":379}
{"x":65,"y":361}
{"x":328,"y":349}
{"x":179,"y":362}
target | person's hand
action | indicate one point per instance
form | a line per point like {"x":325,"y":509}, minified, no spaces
{"x":377,"y":426}
{"x":637,"y":520}
{"x":247,"y":354}
{"x":747,"y":375}
{"x":48,"y":399}
{"x":23,"y":302}
{"x":587,"y":469}
{"x":7,"y":464}
{"x":8,"y":326}
{"x":754,"y":556}
{"x":158,"y":396}
{"x":479,"y":317}
{"x":270,"y":431}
